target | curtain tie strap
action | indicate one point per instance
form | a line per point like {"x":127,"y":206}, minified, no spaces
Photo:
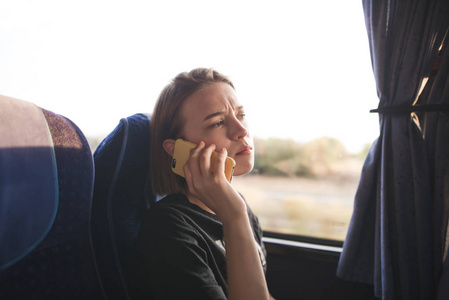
{"x":413,"y":108}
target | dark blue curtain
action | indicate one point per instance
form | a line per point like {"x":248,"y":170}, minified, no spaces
{"x":396,"y":239}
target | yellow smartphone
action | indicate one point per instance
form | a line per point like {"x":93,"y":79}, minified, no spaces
{"x":182,"y":153}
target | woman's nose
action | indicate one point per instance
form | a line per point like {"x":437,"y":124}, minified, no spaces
{"x":239,"y":131}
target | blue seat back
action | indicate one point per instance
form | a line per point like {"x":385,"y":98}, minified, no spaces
{"x":121,"y":197}
{"x":57,"y":262}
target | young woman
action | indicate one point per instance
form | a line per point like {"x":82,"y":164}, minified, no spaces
{"x":201,"y":241}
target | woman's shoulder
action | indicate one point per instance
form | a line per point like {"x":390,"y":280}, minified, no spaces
{"x":163,"y":219}
{"x":170,"y":201}
{"x":167,"y":208}
{"x":174,"y":210}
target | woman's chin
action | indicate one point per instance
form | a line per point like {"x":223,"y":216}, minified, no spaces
{"x":242,"y":169}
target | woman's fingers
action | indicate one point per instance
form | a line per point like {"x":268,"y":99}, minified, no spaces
{"x":210,"y":185}
{"x":193,"y":161}
{"x":205,"y":164}
{"x":220,"y":163}
{"x":198,"y":169}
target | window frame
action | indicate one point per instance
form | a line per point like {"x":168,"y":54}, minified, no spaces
{"x":299,"y":241}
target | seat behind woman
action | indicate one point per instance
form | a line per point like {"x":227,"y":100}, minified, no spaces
{"x":120,"y":199}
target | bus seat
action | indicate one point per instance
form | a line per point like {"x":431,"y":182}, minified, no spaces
{"x":120,"y":199}
{"x":46,"y":186}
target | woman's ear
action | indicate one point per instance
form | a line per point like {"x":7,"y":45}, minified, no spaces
{"x":169,"y":146}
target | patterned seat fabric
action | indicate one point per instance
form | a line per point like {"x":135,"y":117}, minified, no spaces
{"x":61,"y":265}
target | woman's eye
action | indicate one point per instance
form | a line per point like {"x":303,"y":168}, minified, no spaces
{"x":218,"y":124}
{"x":241,"y":116}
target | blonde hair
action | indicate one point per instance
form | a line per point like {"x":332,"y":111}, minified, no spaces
{"x":167,"y":123}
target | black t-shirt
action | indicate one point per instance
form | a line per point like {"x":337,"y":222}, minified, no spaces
{"x":181,"y":251}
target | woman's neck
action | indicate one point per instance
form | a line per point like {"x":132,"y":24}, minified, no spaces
{"x":194,"y":200}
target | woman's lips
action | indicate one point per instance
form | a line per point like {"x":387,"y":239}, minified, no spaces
{"x":245,"y":151}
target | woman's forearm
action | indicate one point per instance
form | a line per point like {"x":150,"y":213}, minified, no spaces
{"x":246,"y":279}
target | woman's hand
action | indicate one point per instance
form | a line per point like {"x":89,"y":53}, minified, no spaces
{"x":211,"y":186}
{"x":246,"y":279}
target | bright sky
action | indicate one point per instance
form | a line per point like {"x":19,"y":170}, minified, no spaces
{"x":301,"y":68}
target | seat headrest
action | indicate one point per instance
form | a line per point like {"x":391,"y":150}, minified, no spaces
{"x":122,"y":159}
{"x":28,"y":179}
{"x":121,"y":197}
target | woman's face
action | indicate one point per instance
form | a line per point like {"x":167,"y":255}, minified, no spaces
{"x":214,"y":115}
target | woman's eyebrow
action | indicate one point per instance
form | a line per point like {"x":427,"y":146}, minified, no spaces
{"x":219,"y":113}
{"x":213,"y":115}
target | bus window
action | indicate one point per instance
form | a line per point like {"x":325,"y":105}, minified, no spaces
{"x":304,"y":189}
{"x":302,"y":68}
